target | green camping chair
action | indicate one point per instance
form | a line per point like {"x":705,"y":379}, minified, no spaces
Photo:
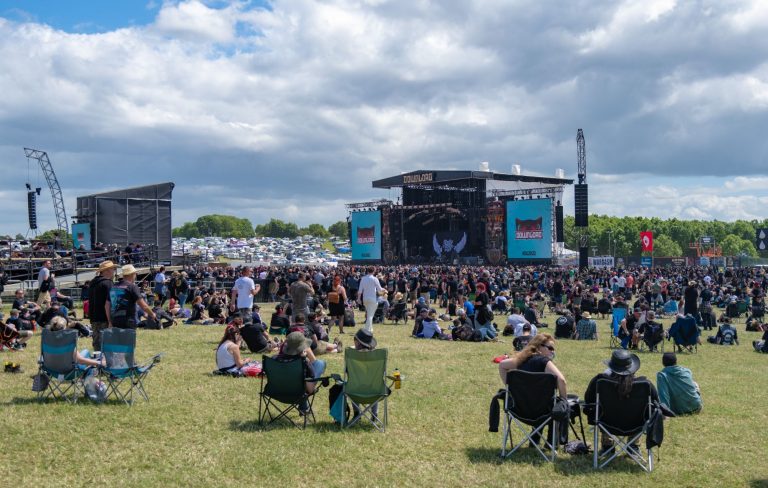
{"x":285,"y":384}
{"x":364,"y":385}
{"x":63,"y":378}
{"x":122,"y":374}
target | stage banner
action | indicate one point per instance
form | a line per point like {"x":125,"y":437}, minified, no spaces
{"x":646,"y":261}
{"x":529,"y":229}
{"x":366,"y":235}
{"x":81,"y":235}
{"x":646,"y":241}
{"x":601,"y":262}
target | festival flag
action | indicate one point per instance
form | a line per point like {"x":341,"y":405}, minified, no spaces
{"x":646,"y":241}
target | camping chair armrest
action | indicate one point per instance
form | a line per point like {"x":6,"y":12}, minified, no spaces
{"x":152,"y":361}
{"x":323,"y":380}
{"x":337,"y":378}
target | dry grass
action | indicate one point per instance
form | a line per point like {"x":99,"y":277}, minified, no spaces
{"x":200,"y":430}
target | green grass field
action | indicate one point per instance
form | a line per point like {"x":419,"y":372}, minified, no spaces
{"x":200,"y":430}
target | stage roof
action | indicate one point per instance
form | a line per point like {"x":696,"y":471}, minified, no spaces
{"x":432,"y":177}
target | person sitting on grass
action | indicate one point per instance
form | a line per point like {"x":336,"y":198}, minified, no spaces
{"x":431,"y":328}
{"x":726,"y":334}
{"x":586,"y":329}
{"x":762,"y":345}
{"x":279,"y":323}
{"x":316,"y":333}
{"x":228,"y":358}
{"x":16,"y":338}
{"x":652,"y":332}
{"x":521,"y":341}
{"x":255,"y":336}
{"x":677,"y":390}
{"x":199,"y":313}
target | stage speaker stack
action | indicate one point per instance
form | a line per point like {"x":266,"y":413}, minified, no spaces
{"x":581,"y":201}
{"x":32,"y":209}
{"x":559,"y":223}
{"x":583,"y":257}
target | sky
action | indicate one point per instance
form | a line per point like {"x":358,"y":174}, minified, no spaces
{"x":290,"y":108}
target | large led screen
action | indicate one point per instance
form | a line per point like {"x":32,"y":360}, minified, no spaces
{"x":366,"y":235}
{"x":529,"y":229}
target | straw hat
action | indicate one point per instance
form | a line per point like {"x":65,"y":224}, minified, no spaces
{"x":128,"y":270}
{"x":105,"y":265}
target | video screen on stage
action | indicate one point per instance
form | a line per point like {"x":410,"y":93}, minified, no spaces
{"x":529,"y":229}
{"x":366,"y":235}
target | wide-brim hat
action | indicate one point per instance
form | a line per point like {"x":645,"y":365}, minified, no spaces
{"x":105,"y":265}
{"x":295,"y":344}
{"x":365,"y":338}
{"x":398,"y":296}
{"x":692,"y":283}
{"x":586,"y":315}
{"x":128,"y":270}
{"x":623,"y":362}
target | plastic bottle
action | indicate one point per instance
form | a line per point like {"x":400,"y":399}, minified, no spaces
{"x":396,"y":375}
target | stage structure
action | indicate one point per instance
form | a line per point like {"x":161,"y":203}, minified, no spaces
{"x":454,"y":216}
{"x":134,"y":215}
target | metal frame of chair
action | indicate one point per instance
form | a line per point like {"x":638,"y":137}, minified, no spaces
{"x":123,"y":375}
{"x":364,"y":393}
{"x":641,"y":391}
{"x":521,"y":383}
{"x":57,"y":362}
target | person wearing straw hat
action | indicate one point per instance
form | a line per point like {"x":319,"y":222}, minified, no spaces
{"x":123,"y":299}
{"x":98,"y":296}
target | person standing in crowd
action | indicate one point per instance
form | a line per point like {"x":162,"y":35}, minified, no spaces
{"x":691,"y":297}
{"x":243,"y":292}
{"x":44,"y":285}
{"x":98,"y":296}
{"x":300,"y":291}
{"x":369,"y":292}
{"x":159,"y":288}
{"x":123,"y":299}
{"x":337,"y":300}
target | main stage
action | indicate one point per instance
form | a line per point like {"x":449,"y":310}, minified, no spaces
{"x":455,"y":217}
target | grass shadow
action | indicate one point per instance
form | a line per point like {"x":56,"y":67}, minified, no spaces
{"x":490,"y":455}
{"x":761,"y":483}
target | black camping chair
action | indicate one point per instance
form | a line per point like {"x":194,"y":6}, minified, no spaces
{"x":529,"y":400}
{"x":618,"y":417}
{"x":285,"y":384}
{"x":378,"y":315}
{"x":399,"y":312}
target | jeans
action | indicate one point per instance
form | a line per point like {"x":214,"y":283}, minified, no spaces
{"x":318,"y":368}
{"x":487,"y":332}
{"x":370,"y":311}
{"x":182,"y":299}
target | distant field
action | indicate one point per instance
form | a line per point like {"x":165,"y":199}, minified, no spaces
{"x":200,"y":430}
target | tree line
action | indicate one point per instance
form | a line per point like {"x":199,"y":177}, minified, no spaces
{"x":230,"y":226}
{"x":620,"y":236}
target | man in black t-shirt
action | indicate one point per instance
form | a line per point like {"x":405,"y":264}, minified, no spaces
{"x":98,"y":295}
{"x":123,"y":298}
{"x":256,"y":337}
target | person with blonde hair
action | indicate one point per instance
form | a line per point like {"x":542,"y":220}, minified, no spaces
{"x":83,"y":357}
{"x":536,"y":357}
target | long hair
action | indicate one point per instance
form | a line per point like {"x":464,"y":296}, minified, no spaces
{"x":625,"y":384}
{"x":230,"y":334}
{"x":533,"y":347}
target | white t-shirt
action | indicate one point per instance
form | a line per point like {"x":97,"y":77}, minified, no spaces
{"x":160,"y":278}
{"x":244,"y":286}
{"x":370,"y":288}
{"x":263,"y":275}
{"x":516,"y":319}
{"x":43,"y":275}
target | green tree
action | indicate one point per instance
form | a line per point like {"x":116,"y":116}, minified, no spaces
{"x":663,"y":245}
{"x":277,"y":228}
{"x":216,"y":225}
{"x":316,"y":230}
{"x":734,"y":245}
{"x":51,"y":235}
{"x":339,"y":229}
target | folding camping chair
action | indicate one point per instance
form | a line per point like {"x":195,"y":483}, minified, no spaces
{"x":652,"y":339}
{"x":617,"y":315}
{"x":285,"y":384}
{"x":57,"y":362}
{"x":528,"y":401}
{"x":364,"y":385}
{"x":399,"y":312}
{"x":685,"y":333}
{"x":123,"y":375}
{"x":618,"y":417}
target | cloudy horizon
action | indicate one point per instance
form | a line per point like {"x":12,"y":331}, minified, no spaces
{"x":290,"y":109}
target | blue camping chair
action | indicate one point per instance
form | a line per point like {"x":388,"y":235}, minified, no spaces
{"x":58,"y":368}
{"x":123,"y":375}
{"x":617,"y":315}
{"x":685,"y":333}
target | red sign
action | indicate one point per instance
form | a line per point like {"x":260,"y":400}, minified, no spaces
{"x":646,"y":241}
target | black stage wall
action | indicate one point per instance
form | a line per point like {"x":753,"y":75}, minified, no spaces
{"x":132,"y":215}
